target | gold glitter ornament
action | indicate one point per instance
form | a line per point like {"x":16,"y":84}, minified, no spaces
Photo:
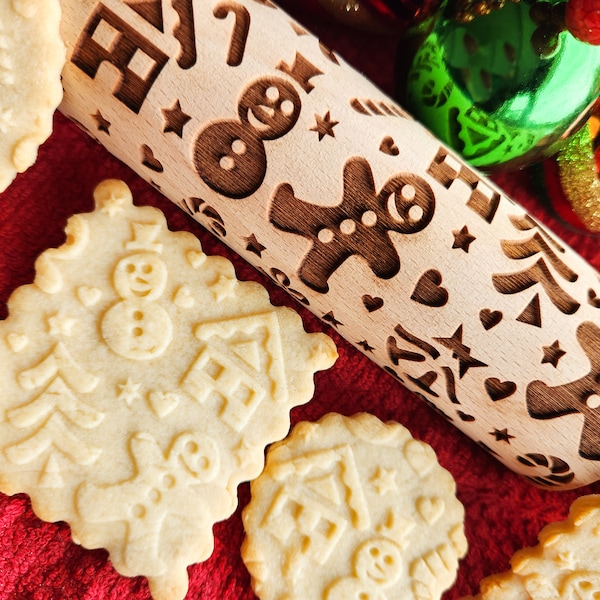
{"x":579,"y":175}
{"x":467,"y":10}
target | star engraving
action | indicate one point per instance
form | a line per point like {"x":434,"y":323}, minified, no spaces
{"x":461,"y":352}
{"x":463,"y":239}
{"x":253,"y":245}
{"x":330,"y":318}
{"x":60,"y":325}
{"x":384,"y":481}
{"x":175,"y":119}
{"x":102,"y":124}
{"x":223,"y":287}
{"x":552,"y":354}
{"x":324,"y":125}
{"x":502,"y":435}
{"x":113,"y":204}
{"x":365,"y":346}
{"x":243,"y":453}
{"x":129,"y":391}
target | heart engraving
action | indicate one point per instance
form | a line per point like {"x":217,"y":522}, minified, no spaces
{"x":489,"y":318}
{"x":17,"y":341}
{"x":195,"y":258}
{"x":150,"y":161}
{"x":498,"y":390}
{"x":420,"y":457}
{"x":163,"y":403}
{"x":593,"y":299}
{"x":183,"y":298}
{"x":372,"y":304}
{"x":388,"y":146}
{"x":429,"y":290}
{"x":431,"y":509}
{"x":87,"y":295}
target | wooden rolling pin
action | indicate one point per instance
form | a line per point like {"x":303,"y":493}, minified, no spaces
{"x":238,"y":115}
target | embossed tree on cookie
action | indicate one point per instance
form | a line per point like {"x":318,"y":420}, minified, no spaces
{"x":141,"y":384}
{"x":50,"y":419}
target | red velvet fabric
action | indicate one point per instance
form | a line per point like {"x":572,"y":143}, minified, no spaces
{"x":38,"y":561}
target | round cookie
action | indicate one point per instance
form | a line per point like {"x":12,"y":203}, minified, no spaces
{"x":565,"y":565}
{"x":351,"y":507}
{"x":31,"y":59}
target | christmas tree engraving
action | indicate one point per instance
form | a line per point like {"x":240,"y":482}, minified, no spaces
{"x":54,"y":415}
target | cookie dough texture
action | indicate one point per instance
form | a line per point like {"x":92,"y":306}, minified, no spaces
{"x":141,"y":382}
{"x":31,"y":59}
{"x":351,"y":507}
{"x":565,"y":565}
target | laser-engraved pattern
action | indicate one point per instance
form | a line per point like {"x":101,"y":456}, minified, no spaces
{"x":109,"y":38}
{"x":580,"y":396}
{"x":359,"y":225}
{"x":329,"y":188}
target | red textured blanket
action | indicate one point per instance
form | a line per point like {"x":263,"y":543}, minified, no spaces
{"x":39,"y":561}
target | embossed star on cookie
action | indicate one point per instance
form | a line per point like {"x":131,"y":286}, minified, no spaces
{"x":351,"y":507}
{"x":141,"y":382}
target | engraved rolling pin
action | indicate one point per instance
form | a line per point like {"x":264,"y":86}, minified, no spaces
{"x":244,"y":120}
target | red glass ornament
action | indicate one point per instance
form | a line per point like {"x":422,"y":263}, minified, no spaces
{"x":582,"y":18}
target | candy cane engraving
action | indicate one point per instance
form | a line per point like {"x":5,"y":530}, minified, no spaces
{"x":357,"y":226}
{"x":482,"y":200}
{"x":240,"y":31}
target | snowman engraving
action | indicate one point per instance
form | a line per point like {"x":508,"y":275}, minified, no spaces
{"x":137,"y":327}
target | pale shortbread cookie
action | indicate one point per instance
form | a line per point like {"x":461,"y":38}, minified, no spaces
{"x":565,"y":565}
{"x":350,"y":508}
{"x":141,"y":382}
{"x":31,"y":59}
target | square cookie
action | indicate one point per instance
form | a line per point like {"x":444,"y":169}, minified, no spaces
{"x":141,"y":382}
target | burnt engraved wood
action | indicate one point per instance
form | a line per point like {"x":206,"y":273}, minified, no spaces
{"x":241,"y":117}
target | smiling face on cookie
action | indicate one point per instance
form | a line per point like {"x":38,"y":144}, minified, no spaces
{"x":141,"y":275}
{"x":338,"y":513}
{"x":155,"y":380}
{"x":378,"y":562}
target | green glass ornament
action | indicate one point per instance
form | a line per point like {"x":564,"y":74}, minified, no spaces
{"x":504,"y":88}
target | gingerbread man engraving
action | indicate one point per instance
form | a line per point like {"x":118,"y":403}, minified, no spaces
{"x":359,"y":225}
{"x":579,"y":396}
